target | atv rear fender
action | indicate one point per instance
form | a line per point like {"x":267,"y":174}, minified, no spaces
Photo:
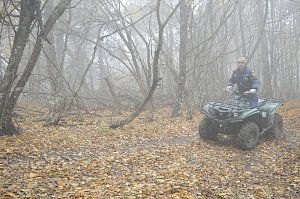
{"x":271,"y":107}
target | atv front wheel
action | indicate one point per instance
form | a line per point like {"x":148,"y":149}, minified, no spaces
{"x":208,"y":129}
{"x":277,"y":129}
{"x":247,"y":137}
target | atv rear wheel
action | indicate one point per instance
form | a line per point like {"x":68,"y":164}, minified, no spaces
{"x":208,"y":130}
{"x":277,"y":129}
{"x":247,"y":137}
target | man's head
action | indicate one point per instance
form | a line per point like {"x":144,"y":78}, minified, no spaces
{"x":242,"y":63}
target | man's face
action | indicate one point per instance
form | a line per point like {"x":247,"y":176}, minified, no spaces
{"x":241,"y":65}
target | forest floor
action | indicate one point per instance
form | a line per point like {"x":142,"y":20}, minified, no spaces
{"x":159,"y":159}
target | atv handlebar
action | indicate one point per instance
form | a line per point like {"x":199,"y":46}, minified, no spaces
{"x":236,"y":91}
{"x":237,"y":95}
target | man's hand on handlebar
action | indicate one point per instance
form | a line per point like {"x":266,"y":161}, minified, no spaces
{"x":228,"y":88}
{"x":251,"y":91}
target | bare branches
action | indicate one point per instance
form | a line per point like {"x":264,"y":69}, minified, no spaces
{"x":142,"y":42}
{"x":155,"y":66}
{"x":10,"y":88}
{"x":260,"y":33}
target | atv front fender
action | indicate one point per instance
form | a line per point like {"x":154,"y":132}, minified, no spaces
{"x":248,"y":113}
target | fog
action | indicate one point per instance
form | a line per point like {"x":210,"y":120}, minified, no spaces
{"x":101,"y":53}
{"x":149,"y":99}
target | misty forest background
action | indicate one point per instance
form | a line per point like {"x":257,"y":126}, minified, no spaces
{"x":108,"y":93}
{"x":102,"y":53}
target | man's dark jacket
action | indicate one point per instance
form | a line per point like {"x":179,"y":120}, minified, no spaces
{"x":245,"y":80}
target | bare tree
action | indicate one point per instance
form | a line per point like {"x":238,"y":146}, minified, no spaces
{"x":9,"y":92}
{"x":155,"y":70}
{"x":197,"y":54}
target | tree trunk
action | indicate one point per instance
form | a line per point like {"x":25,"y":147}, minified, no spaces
{"x":260,"y":33}
{"x":55,"y":57}
{"x":9,"y":100}
{"x":184,"y":16}
{"x":155,"y":71}
{"x":240,"y":11}
{"x":116,"y":101}
{"x":20,"y":41}
{"x":264,"y":49}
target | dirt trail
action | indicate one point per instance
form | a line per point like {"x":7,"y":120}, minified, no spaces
{"x":291,"y":138}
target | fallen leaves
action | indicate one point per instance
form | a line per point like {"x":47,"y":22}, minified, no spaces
{"x":162,"y":159}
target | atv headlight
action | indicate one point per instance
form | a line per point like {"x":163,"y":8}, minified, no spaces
{"x":235,"y":115}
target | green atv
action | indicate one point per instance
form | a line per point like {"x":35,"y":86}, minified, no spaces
{"x":237,"y":117}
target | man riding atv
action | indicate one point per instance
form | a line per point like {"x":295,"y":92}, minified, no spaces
{"x":246,"y":82}
{"x":244,"y":116}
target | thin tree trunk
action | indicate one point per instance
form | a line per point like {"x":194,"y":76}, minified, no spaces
{"x":68,"y":105}
{"x":240,"y":11}
{"x":155,"y":70}
{"x":116,"y":101}
{"x":264,"y":50}
{"x":55,"y":63}
{"x":184,"y":17}
{"x":260,"y":32}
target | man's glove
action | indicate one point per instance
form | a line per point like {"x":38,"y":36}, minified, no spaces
{"x":229,"y":88}
{"x":251,"y":91}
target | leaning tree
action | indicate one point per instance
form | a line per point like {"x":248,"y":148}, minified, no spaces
{"x":11,"y":86}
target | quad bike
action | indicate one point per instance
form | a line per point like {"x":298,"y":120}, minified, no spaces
{"x":237,"y":117}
